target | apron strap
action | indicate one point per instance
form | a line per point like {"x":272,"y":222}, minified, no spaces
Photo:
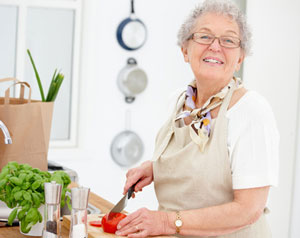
{"x":179,"y":103}
{"x":226,"y":101}
{"x":163,"y":145}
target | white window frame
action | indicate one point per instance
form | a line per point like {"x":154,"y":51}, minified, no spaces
{"x":76,"y":5}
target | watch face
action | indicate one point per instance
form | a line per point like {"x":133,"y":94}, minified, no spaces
{"x":178,"y":223}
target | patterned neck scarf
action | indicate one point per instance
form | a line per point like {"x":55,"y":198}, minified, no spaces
{"x":200,"y":126}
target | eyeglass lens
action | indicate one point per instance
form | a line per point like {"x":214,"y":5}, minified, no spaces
{"x":226,"y":41}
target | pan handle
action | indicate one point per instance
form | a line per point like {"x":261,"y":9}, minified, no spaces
{"x":132,"y":6}
{"x":129,"y":99}
{"x":131,"y":61}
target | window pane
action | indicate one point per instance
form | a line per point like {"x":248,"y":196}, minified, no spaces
{"x":50,"y":40}
{"x":8,"y":29}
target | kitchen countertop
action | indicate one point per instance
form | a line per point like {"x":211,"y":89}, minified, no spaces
{"x":97,"y":201}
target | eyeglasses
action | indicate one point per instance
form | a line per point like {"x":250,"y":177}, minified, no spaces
{"x":207,"y":39}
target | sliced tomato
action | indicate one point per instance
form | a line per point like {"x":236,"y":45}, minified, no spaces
{"x":95,"y":223}
{"x":110,"y":226}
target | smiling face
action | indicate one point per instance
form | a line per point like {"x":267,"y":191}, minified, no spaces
{"x":214,"y":62}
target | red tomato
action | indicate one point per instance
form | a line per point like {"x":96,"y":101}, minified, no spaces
{"x":95,"y":223}
{"x":110,"y":226}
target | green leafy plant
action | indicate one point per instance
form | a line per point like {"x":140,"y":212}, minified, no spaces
{"x":22,"y":188}
{"x":55,"y":84}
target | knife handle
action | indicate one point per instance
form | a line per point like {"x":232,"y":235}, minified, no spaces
{"x":131,"y":189}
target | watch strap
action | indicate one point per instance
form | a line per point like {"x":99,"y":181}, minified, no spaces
{"x":178,"y":220}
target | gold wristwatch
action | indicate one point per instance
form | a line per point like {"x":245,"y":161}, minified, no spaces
{"x":178,"y":222}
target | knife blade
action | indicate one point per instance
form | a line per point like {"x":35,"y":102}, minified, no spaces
{"x":122,"y":203}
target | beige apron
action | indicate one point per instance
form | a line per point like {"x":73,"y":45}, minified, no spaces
{"x":185,"y":178}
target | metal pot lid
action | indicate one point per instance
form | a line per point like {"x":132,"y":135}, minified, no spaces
{"x":127,"y":148}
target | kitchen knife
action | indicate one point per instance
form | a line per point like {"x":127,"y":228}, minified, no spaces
{"x":122,"y":203}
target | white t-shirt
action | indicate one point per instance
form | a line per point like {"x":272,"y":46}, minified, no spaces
{"x":252,"y":141}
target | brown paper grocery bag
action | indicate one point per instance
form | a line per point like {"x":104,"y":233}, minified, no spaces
{"x":29,"y":124}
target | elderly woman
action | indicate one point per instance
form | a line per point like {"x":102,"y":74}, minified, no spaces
{"x":217,"y":155}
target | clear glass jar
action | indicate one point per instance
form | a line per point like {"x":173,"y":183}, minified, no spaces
{"x":78,"y":228}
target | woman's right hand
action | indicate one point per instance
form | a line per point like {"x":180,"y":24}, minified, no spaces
{"x":143,"y":174}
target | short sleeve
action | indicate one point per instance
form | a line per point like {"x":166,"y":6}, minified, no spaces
{"x":254,"y":145}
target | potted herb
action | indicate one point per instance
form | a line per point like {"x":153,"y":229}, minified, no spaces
{"x":22,"y":189}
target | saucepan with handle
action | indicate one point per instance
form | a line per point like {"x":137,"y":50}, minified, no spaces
{"x":132,"y":80}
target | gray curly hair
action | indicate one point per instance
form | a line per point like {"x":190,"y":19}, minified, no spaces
{"x":224,"y":7}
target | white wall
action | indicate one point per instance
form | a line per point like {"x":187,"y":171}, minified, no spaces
{"x":273,"y":70}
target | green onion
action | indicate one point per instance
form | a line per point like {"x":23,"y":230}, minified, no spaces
{"x":59,"y":80}
{"x":37,"y":76}
{"x":55,"y":83}
{"x":51,"y":88}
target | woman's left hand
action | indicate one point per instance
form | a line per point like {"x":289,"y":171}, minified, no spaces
{"x":143,"y":223}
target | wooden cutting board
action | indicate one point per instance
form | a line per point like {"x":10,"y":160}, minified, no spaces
{"x":95,"y":232}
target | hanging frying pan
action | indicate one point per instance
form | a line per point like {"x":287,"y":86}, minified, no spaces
{"x":131,"y":32}
{"x":127,"y":147}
